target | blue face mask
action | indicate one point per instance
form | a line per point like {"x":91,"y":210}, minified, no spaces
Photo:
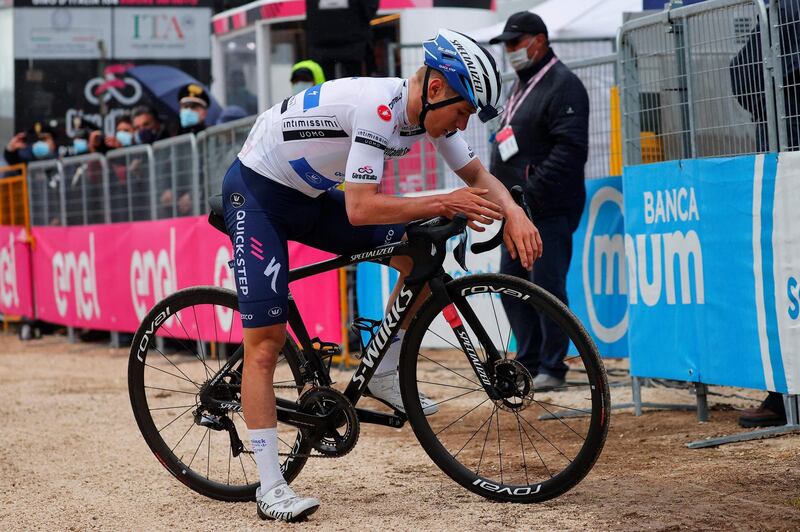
{"x":80,"y":146}
{"x":189,"y":118}
{"x":40,"y":149}
{"x":125,"y":137}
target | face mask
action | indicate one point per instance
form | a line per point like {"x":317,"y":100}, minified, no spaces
{"x":519,"y":58}
{"x":40,"y":149}
{"x":189,"y":118}
{"x":125,"y":138}
{"x":300,"y":86}
{"x":80,"y":146}
{"x":145,"y":136}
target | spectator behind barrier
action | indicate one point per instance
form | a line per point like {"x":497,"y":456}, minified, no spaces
{"x":146,"y":125}
{"x":237,"y":94}
{"x":542,"y":145}
{"x":123,"y":135}
{"x":194,"y":101}
{"x":747,"y":76}
{"x":306,"y":74}
{"x":36,"y":144}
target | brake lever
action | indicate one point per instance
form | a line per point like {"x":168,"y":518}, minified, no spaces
{"x":519,"y":197}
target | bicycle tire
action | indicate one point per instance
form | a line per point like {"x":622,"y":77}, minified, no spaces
{"x":144,"y":344}
{"x":454,"y":466}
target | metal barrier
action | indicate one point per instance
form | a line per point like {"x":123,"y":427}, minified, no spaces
{"x":14,"y":196}
{"x":598,"y":75}
{"x":219,"y":146}
{"x":177,"y":181}
{"x":132,"y":184}
{"x":85,"y":188}
{"x":695,"y":84}
{"x":46,"y":193}
{"x":785,"y":34}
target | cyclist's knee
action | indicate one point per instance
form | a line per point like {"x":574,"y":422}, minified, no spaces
{"x":263,"y":344}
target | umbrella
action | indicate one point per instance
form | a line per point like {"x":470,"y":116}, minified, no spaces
{"x":163,"y":83}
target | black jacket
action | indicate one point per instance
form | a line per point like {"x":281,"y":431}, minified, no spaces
{"x":552,"y":130}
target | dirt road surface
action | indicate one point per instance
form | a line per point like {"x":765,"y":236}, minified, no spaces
{"x":71,"y":458}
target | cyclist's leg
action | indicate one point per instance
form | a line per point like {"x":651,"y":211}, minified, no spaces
{"x":261,"y":275}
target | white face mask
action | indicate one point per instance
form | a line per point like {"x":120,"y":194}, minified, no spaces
{"x":519,"y":58}
{"x":300,"y":86}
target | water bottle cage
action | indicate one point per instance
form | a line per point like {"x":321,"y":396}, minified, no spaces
{"x":361,"y":324}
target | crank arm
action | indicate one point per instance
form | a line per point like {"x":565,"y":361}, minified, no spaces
{"x":379,"y":418}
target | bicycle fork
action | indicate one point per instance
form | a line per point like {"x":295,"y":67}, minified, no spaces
{"x":483,"y":370}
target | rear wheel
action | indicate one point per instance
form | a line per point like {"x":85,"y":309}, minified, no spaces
{"x":525,"y":446}
{"x":181,"y":345}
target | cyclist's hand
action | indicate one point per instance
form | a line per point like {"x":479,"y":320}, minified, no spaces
{"x":477,"y":209}
{"x":522,"y":238}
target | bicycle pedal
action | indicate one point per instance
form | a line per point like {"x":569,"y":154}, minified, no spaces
{"x":327,"y":349}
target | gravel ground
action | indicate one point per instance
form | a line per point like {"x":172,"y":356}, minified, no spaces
{"x":71,"y":458}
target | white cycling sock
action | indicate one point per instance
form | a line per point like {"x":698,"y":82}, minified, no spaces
{"x":392,"y":357}
{"x":265,"y":451}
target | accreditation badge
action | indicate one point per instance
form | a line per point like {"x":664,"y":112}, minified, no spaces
{"x":506,"y":143}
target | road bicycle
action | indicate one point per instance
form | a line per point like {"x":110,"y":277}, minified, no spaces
{"x":494,"y":433}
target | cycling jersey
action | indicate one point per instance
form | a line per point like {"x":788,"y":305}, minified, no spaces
{"x":281,"y":186}
{"x":341,"y":130}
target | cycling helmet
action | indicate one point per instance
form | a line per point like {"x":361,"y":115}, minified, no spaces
{"x":469,"y":69}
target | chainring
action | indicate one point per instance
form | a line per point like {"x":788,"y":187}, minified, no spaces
{"x":339,"y":438}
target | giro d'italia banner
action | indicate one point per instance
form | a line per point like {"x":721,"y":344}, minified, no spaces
{"x":713,"y":254}
{"x":108,"y":276}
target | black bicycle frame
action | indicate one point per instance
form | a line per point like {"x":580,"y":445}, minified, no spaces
{"x":428,"y":257}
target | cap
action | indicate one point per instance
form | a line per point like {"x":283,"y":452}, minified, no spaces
{"x":42,"y":128}
{"x":193,"y":93}
{"x":522,"y":23}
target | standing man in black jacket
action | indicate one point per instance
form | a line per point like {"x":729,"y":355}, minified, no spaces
{"x":542,"y":145}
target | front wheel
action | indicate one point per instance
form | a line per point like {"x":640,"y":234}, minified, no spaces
{"x":527,"y":445}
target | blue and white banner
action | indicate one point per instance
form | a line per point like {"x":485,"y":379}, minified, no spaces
{"x":597,"y":283}
{"x":712,"y":247}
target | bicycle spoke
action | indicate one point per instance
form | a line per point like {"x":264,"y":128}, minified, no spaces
{"x":485,"y":439}
{"x":173,"y":375}
{"x":200,"y":342}
{"x":471,"y":437}
{"x":560,"y":419}
{"x":177,"y":418}
{"x":198,"y":447}
{"x":176,"y":367}
{"x":448,"y":385}
{"x":191,"y":426}
{"x":497,"y":322}
{"x":169,"y":390}
{"x":462,"y":417}
{"x":457,"y":396}
{"x":450,"y":370}
{"x":536,"y":450}
{"x":499,"y":450}
{"x":545,"y":439}
{"x":172,"y":407}
{"x":522,"y":448}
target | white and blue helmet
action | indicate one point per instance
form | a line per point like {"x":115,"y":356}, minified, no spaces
{"x":469,"y":69}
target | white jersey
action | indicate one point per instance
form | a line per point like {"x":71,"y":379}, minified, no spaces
{"x":341,"y":130}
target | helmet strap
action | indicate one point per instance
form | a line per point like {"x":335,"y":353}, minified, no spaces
{"x":427,"y":106}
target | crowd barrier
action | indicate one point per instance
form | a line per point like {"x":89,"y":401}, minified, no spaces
{"x":108,"y":276}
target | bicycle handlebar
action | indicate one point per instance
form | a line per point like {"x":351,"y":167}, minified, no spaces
{"x":496,"y":240}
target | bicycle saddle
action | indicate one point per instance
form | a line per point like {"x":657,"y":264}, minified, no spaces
{"x":216,"y":217}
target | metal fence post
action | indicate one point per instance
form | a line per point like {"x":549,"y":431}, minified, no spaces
{"x":195,"y":175}
{"x":773,"y":74}
{"x":151,"y":163}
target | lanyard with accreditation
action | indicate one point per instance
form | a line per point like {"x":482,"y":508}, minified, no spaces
{"x":506,"y":143}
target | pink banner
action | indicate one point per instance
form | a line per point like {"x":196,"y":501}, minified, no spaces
{"x":109,"y":276}
{"x":16,"y":294}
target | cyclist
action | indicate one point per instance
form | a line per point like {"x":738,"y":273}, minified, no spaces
{"x":281,"y":188}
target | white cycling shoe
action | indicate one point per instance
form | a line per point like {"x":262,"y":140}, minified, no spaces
{"x":281,"y":503}
{"x":386,"y":389}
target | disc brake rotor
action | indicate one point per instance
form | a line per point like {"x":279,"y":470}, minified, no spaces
{"x":514,"y":384}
